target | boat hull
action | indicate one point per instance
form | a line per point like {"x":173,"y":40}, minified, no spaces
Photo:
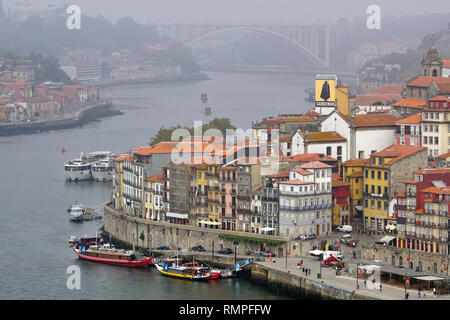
{"x":78,"y":175}
{"x":124,"y":263}
{"x":101,"y":175}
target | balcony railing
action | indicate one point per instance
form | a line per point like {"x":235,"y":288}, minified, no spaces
{"x":293,"y":208}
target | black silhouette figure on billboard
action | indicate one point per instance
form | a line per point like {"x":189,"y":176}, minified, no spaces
{"x":325,"y":94}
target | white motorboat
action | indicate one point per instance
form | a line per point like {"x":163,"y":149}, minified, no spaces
{"x":76,"y":212}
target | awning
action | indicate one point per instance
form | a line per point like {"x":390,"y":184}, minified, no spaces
{"x":177,"y":215}
{"x":267,"y":229}
{"x":390,"y":227}
{"x":209,"y":222}
{"x":359,"y":208}
{"x":387,"y":239}
{"x":429,"y":278}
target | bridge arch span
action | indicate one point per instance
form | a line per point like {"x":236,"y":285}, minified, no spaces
{"x":261,"y":30}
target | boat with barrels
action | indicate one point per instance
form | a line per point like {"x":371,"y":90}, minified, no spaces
{"x":108,"y":254}
{"x":189,"y":270}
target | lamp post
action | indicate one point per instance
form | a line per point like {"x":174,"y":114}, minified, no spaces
{"x":286,"y":255}
{"x":357,"y":275}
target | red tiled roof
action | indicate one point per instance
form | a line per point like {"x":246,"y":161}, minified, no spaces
{"x":324,"y":136}
{"x":389,"y":89}
{"x":315,"y":165}
{"x":424,"y":82}
{"x":356,"y":162}
{"x":445,"y":190}
{"x":410,"y":103}
{"x":446,"y":63}
{"x":375,"y":120}
{"x":444,"y":87}
{"x":307,"y":157}
{"x":444,"y":156}
{"x":162,"y":147}
{"x":415,"y":119}
{"x":397,"y":152}
{"x":282,"y":174}
{"x":303,"y":172}
{"x":123,"y":157}
{"x":156,"y":178}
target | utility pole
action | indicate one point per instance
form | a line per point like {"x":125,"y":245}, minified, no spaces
{"x":212,"y":250}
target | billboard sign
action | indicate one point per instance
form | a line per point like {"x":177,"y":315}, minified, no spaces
{"x":326,"y":91}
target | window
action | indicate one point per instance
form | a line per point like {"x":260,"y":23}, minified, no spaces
{"x":339,"y":150}
{"x":436,"y":128}
{"x":436,"y":140}
{"x":366,"y":174}
{"x":328,"y":151}
{"x":379,"y":175}
{"x":385,"y":175}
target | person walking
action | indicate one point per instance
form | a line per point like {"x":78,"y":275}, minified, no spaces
{"x":365,"y":282}
{"x":406,"y":296}
{"x":418,"y":293}
{"x":434,"y":291}
{"x":380,"y":286}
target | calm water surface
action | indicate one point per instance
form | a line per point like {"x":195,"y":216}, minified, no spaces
{"x":34,"y":197}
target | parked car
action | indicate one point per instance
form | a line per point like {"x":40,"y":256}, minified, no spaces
{"x":248,"y":253}
{"x":225,"y":251}
{"x":345,"y":228}
{"x":198,"y":248}
{"x":162,"y":248}
{"x":259,"y":253}
{"x":306,"y":237}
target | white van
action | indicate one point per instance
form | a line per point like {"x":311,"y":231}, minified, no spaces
{"x":345,"y":228}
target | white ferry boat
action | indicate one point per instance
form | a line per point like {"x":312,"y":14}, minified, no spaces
{"x":77,"y":169}
{"x":81,"y":169}
{"x":76,"y":212}
{"x":102,"y":170}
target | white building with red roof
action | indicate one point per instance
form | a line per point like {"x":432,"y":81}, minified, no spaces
{"x":305,"y":200}
{"x":364,"y":133}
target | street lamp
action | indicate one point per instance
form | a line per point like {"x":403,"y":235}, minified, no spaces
{"x":357,"y":275}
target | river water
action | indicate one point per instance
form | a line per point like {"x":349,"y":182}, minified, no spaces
{"x":34,"y":197}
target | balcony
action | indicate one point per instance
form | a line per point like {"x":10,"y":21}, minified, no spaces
{"x":245,"y":198}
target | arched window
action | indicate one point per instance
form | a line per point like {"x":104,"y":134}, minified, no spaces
{"x":434,"y":73}
{"x":400,"y":261}
{"x":435,"y":268}
{"x":393,"y":260}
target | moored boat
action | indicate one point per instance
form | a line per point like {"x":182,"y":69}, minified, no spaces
{"x":110,"y":255}
{"x":77,"y":169}
{"x":76,"y":212}
{"x":189,"y":271}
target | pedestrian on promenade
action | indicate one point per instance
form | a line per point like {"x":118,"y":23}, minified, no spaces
{"x":309,"y":271}
{"x":406,"y":296}
{"x":418,"y":293}
{"x":434,"y":291}
{"x":380,"y":286}
{"x":354,"y":254}
{"x":365,"y":282}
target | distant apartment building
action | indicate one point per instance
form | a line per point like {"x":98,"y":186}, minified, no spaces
{"x":341,"y":201}
{"x":422,"y":212}
{"x":270,"y":201}
{"x":228,"y":192}
{"x":383,"y":180}
{"x":408,"y":131}
{"x":305,"y":200}
{"x":436,"y":126}
{"x":83,"y":72}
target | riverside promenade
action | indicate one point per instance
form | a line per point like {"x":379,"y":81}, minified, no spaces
{"x":344,"y":283}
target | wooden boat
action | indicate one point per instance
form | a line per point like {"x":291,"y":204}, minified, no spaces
{"x":110,"y":255}
{"x":189,"y":271}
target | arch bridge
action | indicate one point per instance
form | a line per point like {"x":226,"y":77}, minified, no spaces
{"x":314,"y":41}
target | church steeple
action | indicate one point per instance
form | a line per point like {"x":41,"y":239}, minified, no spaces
{"x":432,"y":62}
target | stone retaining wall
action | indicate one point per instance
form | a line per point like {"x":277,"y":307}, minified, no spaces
{"x":150,"y":234}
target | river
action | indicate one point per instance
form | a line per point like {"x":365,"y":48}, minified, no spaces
{"x":34,"y":224}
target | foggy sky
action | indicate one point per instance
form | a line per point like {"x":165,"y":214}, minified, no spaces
{"x":246,"y":11}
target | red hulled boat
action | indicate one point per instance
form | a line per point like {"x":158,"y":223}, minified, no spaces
{"x":110,"y":255}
